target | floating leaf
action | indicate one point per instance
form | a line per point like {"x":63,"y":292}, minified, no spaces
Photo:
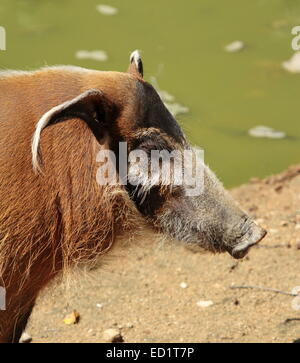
{"x":107,"y":9}
{"x":235,"y":46}
{"x":98,"y":55}
{"x":293,"y":64}
{"x":266,"y":132}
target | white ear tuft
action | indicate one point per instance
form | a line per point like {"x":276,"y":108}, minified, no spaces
{"x":135,"y":57}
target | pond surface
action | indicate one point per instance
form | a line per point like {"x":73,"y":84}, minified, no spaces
{"x":183,"y":47}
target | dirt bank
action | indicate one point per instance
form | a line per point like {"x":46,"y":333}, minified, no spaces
{"x":141,"y":294}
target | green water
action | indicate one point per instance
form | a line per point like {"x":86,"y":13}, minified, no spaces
{"x":182,"y":43}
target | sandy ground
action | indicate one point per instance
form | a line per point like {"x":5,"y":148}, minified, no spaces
{"x":141,"y":294}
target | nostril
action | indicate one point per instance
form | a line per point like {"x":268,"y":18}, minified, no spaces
{"x":253,"y":236}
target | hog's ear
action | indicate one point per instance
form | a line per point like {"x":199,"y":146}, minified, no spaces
{"x":91,"y":106}
{"x":136,"y":64}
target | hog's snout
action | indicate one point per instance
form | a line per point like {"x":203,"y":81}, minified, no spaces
{"x":253,"y":236}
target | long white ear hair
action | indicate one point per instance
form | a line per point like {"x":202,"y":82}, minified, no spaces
{"x":91,"y":106}
{"x":40,"y":126}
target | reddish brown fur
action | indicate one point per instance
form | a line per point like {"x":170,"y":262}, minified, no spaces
{"x":49,"y":222}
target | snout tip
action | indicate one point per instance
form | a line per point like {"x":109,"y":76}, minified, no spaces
{"x":251,"y":238}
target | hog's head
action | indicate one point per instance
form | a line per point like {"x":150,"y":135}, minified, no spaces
{"x":123,"y":107}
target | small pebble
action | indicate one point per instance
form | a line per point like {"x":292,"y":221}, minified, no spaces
{"x":183,"y":285}
{"x":91,"y":332}
{"x":204,"y":304}
{"x":25,"y":338}
{"x":112,"y":336}
{"x":72,"y":318}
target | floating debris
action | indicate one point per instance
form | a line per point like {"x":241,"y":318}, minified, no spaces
{"x":205,"y":304}
{"x":169,"y":100}
{"x":266,"y":132}
{"x":293,"y":64}
{"x":107,"y":9}
{"x":98,"y":55}
{"x":235,"y":46}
